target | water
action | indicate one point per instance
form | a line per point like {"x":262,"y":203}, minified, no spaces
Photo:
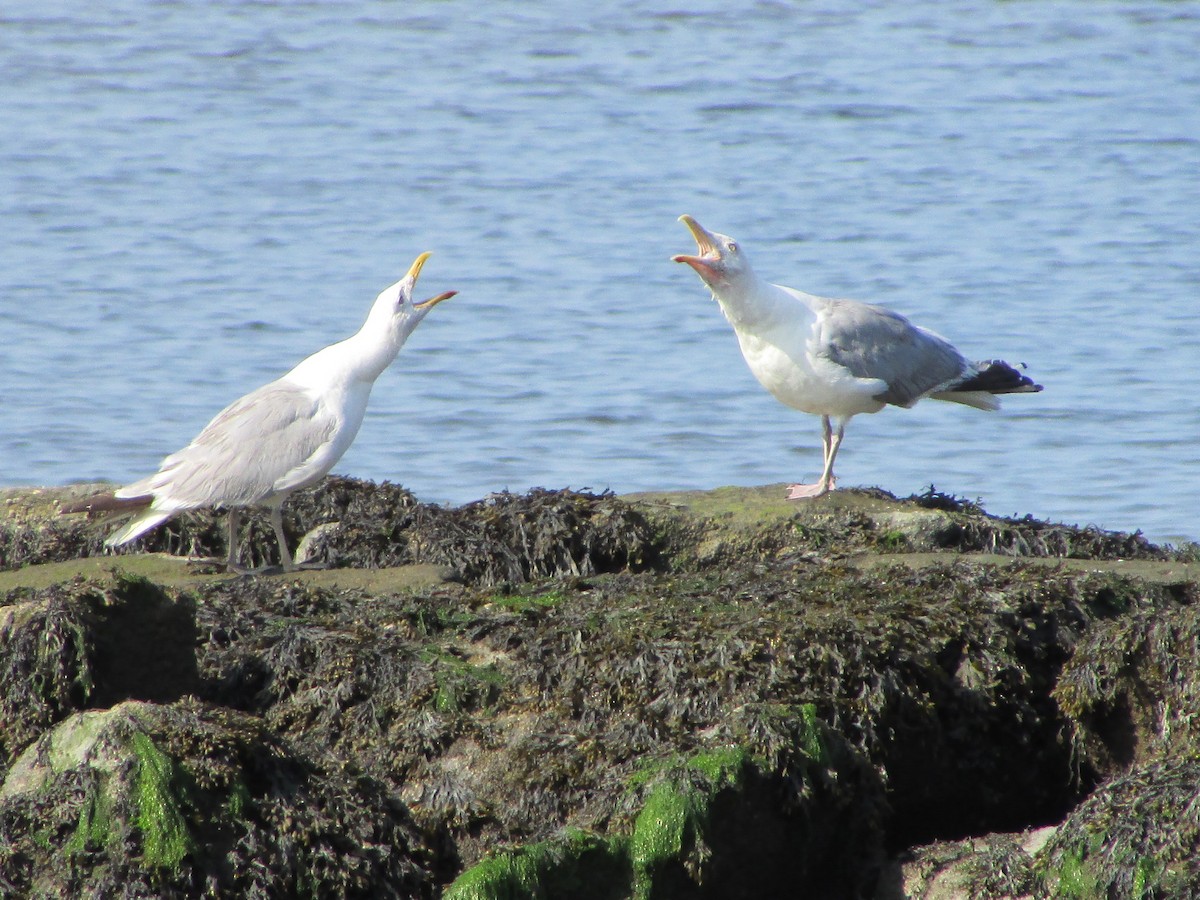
{"x":194,"y":196}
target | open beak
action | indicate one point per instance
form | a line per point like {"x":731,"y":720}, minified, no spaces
{"x":413,"y":271}
{"x":434,"y":301}
{"x":706,"y":247}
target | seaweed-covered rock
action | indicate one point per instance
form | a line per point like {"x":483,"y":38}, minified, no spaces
{"x":988,"y":867}
{"x":516,"y":714}
{"x":941,"y":677}
{"x":711,"y":825}
{"x":440,"y":697}
{"x":183,"y":800}
{"x":505,"y":538}
{"x":1136,"y":836}
{"x":515,"y":538}
{"x":74,"y":645}
{"x":33,"y":532}
{"x":46,"y":668}
{"x":343,"y":522}
{"x":1130,"y":689}
{"x":966,"y":527}
{"x":734,"y":526}
{"x":365,"y":676}
{"x":691,"y":695}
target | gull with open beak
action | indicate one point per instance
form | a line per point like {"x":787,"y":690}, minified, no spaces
{"x":837,"y":358}
{"x":279,"y":438}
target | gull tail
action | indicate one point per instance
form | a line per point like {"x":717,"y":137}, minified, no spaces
{"x":993,"y":376}
{"x":136,"y":527}
{"x":112,"y":504}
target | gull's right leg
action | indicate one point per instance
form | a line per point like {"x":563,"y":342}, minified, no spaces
{"x":231,"y":561}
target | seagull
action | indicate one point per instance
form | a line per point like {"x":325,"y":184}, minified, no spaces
{"x":837,"y":358}
{"x":277,"y":439}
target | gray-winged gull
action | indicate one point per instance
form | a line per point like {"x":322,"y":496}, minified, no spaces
{"x":838,"y":358}
{"x":279,"y":438}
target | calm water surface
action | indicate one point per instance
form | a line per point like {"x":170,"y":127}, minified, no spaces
{"x":197,"y":195}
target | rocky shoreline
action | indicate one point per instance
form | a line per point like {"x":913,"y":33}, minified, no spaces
{"x":561,"y":694}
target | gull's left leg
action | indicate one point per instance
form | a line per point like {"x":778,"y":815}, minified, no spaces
{"x":828,"y":477}
{"x":831,"y":442}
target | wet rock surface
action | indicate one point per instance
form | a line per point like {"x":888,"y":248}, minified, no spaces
{"x":710,"y":694}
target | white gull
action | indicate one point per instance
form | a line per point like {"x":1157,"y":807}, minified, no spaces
{"x":838,"y":358}
{"x":279,"y":438}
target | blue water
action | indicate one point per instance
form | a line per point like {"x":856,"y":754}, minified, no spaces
{"x":194,"y":196}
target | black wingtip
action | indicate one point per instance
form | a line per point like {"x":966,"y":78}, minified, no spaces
{"x":995,"y":376}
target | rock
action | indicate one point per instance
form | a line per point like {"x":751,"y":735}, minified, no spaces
{"x":46,"y":669}
{"x":315,"y":545}
{"x":150,"y":800}
{"x":1128,"y":689}
{"x":704,"y":694}
{"x":73,"y":743}
{"x":1135,"y":836}
{"x":994,"y":866}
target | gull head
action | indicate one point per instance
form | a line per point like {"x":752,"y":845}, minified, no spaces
{"x":719,"y":260}
{"x":395,"y":304}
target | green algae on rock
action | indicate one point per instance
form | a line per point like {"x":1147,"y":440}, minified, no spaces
{"x":1135,"y":836}
{"x":576,"y":864}
{"x":185,"y":799}
{"x":670,"y":833}
{"x":712,"y":824}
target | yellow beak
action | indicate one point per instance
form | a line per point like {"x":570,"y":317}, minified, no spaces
{"x":413,"y":271}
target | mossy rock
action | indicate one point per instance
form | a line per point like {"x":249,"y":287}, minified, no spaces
{"x":731,"y":525}
{"x":150,"y":800}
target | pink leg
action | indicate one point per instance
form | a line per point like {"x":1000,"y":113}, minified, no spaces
{"x":830,"y":443}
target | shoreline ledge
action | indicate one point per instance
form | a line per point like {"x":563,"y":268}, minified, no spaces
{"x":556,"y":693}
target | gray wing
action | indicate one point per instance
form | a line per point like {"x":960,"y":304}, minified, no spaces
{"x":249,"y":446}
{"x":873,"y":342}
